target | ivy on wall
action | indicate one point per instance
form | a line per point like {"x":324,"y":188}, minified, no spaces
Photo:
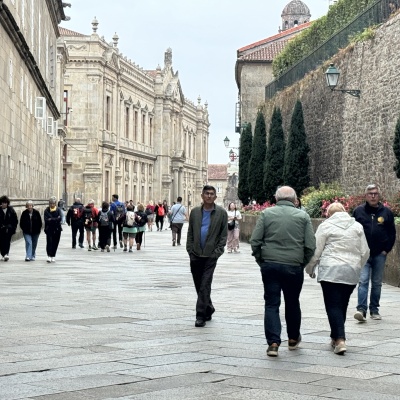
{"x":338,"y":16}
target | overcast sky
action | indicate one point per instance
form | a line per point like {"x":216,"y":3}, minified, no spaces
{"x":203,"y":35}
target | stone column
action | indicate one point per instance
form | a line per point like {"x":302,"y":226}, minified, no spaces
{"x":180,"y":186}
{"x":176,"y":179}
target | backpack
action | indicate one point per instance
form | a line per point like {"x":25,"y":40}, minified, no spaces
{"x":160,"y":211}
{"x":76,"y":212}
{"x":103,"y":219}
{"x":88,"y":216}
{"x":119,"y":210}
{"x":130,"y":219}
{"x":148,"y":211}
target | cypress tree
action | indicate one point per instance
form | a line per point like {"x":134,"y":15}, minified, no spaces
{"x":246,"y":140}
{"x":256,"y":165}
{"x":295,"y":171}
{"x":275,"y":156}
{"x":396,"y":148}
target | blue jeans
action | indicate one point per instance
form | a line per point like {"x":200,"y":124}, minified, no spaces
{"x":373,"y":270}
{"x":288,"y":279}
{"x":30,"y":245}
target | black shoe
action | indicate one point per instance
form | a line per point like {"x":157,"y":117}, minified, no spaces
{"x":173,"y":243}
{"x":209,"y":318}
{"x":74,"y":247}
{"x":81,"y":245}
{"x":294,"y":344}
{"x":199,"y":323}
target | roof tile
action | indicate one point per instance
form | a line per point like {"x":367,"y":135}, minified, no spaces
{"x":217,"y":171}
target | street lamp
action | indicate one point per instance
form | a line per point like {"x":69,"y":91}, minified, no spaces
{"x":226,"y":141}
{"x":332,"y":77}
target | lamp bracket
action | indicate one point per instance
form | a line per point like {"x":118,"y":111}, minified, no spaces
{"x":351,"y":92}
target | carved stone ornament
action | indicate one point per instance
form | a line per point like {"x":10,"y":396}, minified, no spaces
{"x":108,"y":160}
{"x":79,"y":48}
{"x":126,"y":176}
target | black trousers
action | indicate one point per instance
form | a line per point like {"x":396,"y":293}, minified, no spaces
{"x":104,"y":236}
{"x":139,"y":237}
{"x":177,"y":231}
{"x":5,"y":242}
{"x":75,"y":228}
{"x":336,"y":298}
{"x":117,"y":227}
{"x":52,"y":241}
{"x":159,"y":222}
{"x":202,"y":269}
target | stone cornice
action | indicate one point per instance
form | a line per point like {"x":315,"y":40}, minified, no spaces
{"x":11,"y":27}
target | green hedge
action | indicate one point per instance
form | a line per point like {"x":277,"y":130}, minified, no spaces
{"x":338,"y":16}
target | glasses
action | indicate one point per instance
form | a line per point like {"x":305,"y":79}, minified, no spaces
{"x":373,"y":194}
{"x":209,"y":194}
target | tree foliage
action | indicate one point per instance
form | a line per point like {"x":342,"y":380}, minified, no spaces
{"x":338,"y":16}
{"x":275,"y":156}
{"x":396,"y":148}
{"x":256,"y":165}
{"x":246,"y":140}
{"x":295,"y":172}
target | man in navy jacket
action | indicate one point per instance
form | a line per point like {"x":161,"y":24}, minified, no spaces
{"x":380,"y":231}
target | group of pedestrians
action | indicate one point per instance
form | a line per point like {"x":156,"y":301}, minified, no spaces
{"x":345,"y":250}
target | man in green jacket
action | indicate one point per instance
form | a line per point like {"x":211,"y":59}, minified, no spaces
{"x":205,"y":243}
{"x":283,"y":242}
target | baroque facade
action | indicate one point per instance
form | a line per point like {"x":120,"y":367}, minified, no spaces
{"x":253,"y":69}
{"x":29,"y":143}
{"x":129,"y":131}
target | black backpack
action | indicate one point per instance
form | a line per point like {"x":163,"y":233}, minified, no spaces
{"x":88,"y":216}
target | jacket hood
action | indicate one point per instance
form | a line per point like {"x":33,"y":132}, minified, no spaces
{"x":341,"y":219}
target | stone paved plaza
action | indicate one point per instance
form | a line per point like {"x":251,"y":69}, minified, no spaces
{"x":121,"y":326}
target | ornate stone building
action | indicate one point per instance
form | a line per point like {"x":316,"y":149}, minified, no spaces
{"x":129,"y":131}
{"x":29,"y":141}
{"x":253,"y":69}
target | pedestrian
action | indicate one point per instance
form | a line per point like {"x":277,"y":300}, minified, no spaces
{"x":8,"y":226}
{"x":118,"y":209}
{"x":178,"y":215}
{"x":206,"y":240}
{"x":234,"y":217}
{"x":75,"y":220}
{"x":283,"y":242}
{"x":52,"y":229}
{"x":141,"y":221}
{"x":159,"y":212}
{"x":31,"y":226}
{"x":129,"y":228}
{"x":166,"y":215}
{"x":341,"y":252}
{"x":90,"y":222}
{"x":105,"y":220}
{"x":150,"y":215}
{"x":61,"y":206}
{"x":378,"y":223}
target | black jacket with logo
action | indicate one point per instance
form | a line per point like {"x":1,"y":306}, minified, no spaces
{"x":379,"y":228}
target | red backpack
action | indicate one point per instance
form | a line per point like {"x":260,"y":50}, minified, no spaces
{"x":160,"y":211}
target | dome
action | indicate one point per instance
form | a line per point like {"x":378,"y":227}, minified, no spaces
{"x":295,"y":13}
{"x":296,"y":7}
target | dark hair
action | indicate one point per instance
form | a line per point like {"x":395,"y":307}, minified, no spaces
{"x":129,"y":207}
{"x":115,"y":196}
{"x":179,"y":199}
{"x":104,"y":205}
{"x":4,"y":199}
{"x":229,"y":205}
{"x":209,"y":187}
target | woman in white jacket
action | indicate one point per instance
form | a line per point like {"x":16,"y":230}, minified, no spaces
{"x":341,"y":252}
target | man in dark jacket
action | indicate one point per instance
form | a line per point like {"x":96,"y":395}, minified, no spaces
{"x":75,"y":220}
{"x":8,"y":226}
{"x":378,"y":223}
{"x":205,"y":243}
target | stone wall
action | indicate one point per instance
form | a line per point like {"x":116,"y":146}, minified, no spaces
{"x":392,"y":269}
{"x":351,"y":139}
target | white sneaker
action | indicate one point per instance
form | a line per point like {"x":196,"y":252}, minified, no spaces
{"x":49,"y":259}
{"x":376,"y":316}
{"x":53,"y":259}
{"x":360,"y":316}
{"x":6,"y":258}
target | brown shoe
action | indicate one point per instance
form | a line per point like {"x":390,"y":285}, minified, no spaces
{"x":137,"y":246}
{"x":272,"y":350}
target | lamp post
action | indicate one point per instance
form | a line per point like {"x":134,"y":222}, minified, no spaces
{"x":232,"y":155}
{"x":332,"y":75}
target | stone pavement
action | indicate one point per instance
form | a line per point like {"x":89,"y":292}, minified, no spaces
{"x":121,"y":326}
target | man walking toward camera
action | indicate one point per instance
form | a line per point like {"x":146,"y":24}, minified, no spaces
{"x":283,"y":242}
{"x":205,"y":243}
{"x":378,"y":223}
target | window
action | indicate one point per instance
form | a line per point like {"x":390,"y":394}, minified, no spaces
{"x":136,"y":126}
{"x":127,"y":122}
{"x":108,"y":112}
{"x":50,"y":126}
{"x":40,"y":107}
